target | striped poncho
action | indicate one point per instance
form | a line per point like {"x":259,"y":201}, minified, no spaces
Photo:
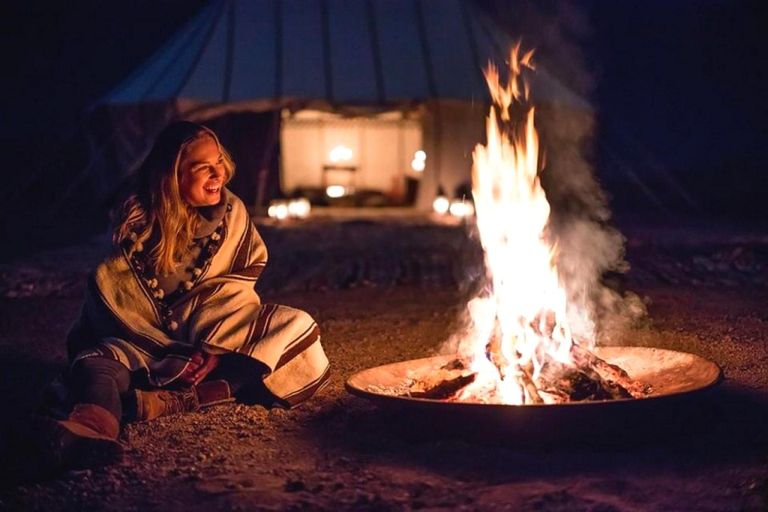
{"x":123,"y":319}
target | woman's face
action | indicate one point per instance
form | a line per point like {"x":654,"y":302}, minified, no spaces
{"x":202,"y":172}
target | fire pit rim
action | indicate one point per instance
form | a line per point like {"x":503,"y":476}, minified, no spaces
{"x":442,"y":359}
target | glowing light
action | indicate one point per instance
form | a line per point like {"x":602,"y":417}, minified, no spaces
{"x":336,"y":191}
{"x":419,"y":161}
{"x":418,"y":165}
{"x":299,"y":208}
{"x":441,"y":205}
{"x":278,"y":210}
{"x":282,"y":209}
{"x":461,"y":208}
{"x":340,"y":154}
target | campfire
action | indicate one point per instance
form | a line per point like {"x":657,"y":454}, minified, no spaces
{"x":520,"y":347}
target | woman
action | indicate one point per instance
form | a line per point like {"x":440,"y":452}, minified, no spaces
{"x":171,"y":320}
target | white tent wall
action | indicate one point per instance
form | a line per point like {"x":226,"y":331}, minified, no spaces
{"x":381,"y":150}
{"x":447,"y":131}
{"x":452,"y":129}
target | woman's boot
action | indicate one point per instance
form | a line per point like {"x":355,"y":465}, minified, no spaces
{"x":87,"y":439}
{"x":154,"y":404}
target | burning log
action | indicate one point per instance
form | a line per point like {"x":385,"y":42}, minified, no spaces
{"x":588,"y":378}
{"x":442,"y":384}
{"x":441,"y":389}
{"x":579,"y":384}
{"x":496,"y":355}
{"x":525,"y":377}
{"x":609,"y":373}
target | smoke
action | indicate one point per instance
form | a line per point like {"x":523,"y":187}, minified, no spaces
{"x":590,"y":252}
{"x":589,"y":247}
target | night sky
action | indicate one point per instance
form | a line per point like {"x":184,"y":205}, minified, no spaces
{"x":680,"y":92}
{"x":678,"y":87}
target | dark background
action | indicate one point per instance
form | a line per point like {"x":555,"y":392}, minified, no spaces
{"x":678,"y":87}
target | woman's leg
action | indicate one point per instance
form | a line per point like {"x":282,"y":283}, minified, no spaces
{"x":100,"y":381}
{"x":301,"y":367}
{"x":87,"y":438}
{"x":245,"y":377}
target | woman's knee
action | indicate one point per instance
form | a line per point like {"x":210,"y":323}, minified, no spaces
{"x":305,"y":320}
{"x":100,"y":368}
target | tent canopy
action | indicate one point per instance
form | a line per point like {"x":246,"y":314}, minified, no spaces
{"x":255,"y":57}
{"x":266,"y":53}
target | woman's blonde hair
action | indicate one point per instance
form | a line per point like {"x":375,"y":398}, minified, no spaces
{"x":154,"y":206}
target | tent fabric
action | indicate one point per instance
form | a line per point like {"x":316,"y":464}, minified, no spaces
{"x":237,"y":59}
{"x":335,"y":52}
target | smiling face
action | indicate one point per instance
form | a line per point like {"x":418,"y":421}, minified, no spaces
{"x":202,"y":172}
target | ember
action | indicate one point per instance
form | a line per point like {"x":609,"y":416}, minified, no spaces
{"x":519,"y":348}
{"x":433,"y":381}
{"x":588,"y":378}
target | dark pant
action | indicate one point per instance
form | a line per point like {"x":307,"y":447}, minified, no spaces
{"x":102,"y":381}
{"x":245,"y":377}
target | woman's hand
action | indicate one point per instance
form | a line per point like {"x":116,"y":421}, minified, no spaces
{"x":199,"y":367}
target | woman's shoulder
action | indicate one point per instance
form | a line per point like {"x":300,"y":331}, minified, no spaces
{"x":232,"y":200}
{"x":236,"y":207}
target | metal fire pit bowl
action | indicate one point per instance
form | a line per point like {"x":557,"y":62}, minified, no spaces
{"x":678,"y":401}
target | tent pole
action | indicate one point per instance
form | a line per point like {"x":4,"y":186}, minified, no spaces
{"x":266,"y":160}
{"x":438,"y":137}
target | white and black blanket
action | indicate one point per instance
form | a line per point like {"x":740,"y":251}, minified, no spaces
{"x":221,"y":313}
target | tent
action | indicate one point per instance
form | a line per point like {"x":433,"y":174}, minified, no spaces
{"x":240,"y":65}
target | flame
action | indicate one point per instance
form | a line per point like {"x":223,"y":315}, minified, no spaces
{"x":504,"y":96}
{"x":522,"y":316}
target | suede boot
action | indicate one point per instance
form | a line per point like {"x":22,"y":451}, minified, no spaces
{"x":154,"y":404}
{"x":87,"y":439}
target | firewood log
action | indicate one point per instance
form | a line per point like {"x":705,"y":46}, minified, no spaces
{"x":440,"y":385}
{"x":609,"y":372}
{"x":525,"y":376}
{"x":587,"y":378}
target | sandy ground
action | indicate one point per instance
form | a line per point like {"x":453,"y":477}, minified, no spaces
{"x":339,"y":452}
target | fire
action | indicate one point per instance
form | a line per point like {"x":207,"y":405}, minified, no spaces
{"x":520,"y":320}
{"x":519,"y":348}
